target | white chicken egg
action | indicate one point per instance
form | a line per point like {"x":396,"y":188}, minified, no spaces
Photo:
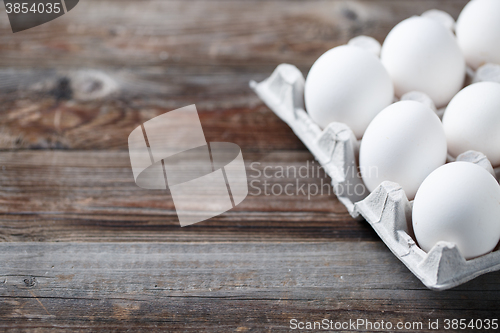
{"x":478,"y":32}
{"x":472,"y":121}
{"x":460,"y":203}
{"x":422,"y":55}
{"x":403,"y":144}
{"x":347,"y":84}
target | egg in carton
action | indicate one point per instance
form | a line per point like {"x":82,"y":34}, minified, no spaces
{"x":387,"y":208}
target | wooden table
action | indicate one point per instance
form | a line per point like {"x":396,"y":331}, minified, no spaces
{"x":84,"y":248}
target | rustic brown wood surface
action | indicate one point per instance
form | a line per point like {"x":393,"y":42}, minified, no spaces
{"x":85,"y":249}
{"x":220,"y":286}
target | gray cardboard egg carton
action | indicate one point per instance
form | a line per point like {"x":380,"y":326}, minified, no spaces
{"x":387,"y":208}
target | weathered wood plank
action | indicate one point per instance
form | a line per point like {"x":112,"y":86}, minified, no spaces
{"x":85,"y":80}
{"x":41,"y":123}
{"x":221,"y":287}
{"x":242,"y":33}
{"x":91,"y":196}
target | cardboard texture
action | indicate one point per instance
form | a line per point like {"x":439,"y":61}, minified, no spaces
{"x":386,"y":209}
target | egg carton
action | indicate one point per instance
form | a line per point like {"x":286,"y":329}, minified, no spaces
{"x":387,"y":208}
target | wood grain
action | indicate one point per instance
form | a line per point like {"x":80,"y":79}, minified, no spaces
{"x":220,"y":287}
{"x":85,"y":80}
{"x":91,"y":196}
{"x":47,"y":124}
{"x":242,"y":33}
{"x":84,"y":249}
